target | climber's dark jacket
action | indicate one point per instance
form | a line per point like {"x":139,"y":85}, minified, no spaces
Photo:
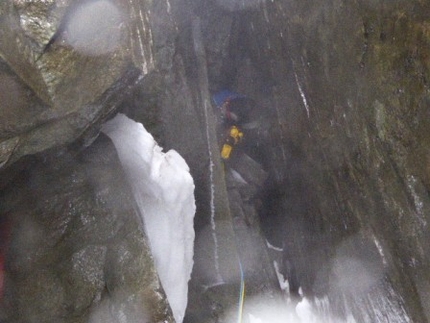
{"x":234,"y":108}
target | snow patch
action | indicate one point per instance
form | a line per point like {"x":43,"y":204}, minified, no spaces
{"x":283,"y":282}
{"x":418,"y":202}
{"x":164,"y":191}
{"x":270,"y":246}
{"x":302,"y":94}
{"x":238,"y":177}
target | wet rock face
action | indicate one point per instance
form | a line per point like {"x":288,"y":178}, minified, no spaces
{"x":344,"y":90}
{"x":348,"y":87}
{"x":342,"y":95}
{"x":76,"y":252}
{"x":369,"y":118}
{"x":61,"y":58}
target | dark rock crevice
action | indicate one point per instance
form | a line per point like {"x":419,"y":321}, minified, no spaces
{"x":346,"y":165}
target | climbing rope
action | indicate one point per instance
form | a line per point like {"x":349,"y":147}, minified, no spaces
{"x":241,"y":294}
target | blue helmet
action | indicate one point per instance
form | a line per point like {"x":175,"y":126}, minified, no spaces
{"x":221,"y":97}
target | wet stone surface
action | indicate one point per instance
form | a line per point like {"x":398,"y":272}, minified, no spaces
{"x":75,"y":243}
{"x":342,"y":91}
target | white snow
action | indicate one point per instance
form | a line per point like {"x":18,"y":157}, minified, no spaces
{"x":164,"y":191}
{"x":238,"y":177}
{"x":283,"y":282}
{"x":419,"y":204}
{"x":253,"y":319}
{"x":270,"y":246}
{"x":304,"y":311}
{"x":380,"y":305}
{"x":380,"y":250}
{"x":302,"y":94}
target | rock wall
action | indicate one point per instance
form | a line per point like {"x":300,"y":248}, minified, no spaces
{"x":349,"y":92}
{"x":62,"y":59}
{"x":342,"y":93}
{"x":343,"y":86}
{"x":76,"y":252}
{"x":76,"y":79}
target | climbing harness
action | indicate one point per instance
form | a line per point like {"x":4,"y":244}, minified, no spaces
{"x":234,"y":136}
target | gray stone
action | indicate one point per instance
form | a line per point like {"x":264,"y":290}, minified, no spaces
{"x":77,"y":249}
{"x":342,"y":136}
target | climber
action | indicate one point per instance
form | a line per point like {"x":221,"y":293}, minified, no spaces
{"x":234,"y":109}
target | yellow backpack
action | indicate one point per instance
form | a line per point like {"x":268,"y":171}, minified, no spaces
{"x":234,"y":137}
